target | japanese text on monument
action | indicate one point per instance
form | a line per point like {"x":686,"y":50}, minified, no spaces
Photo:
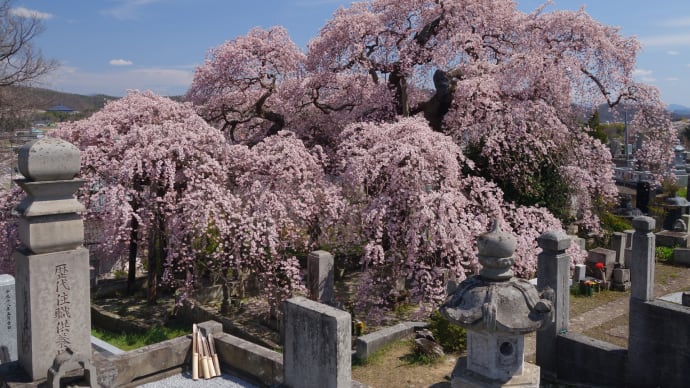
{"x":62,"y":307}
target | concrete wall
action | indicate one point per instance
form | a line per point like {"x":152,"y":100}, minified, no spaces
{"x":659,"y":344}
{"x":587,"y":360}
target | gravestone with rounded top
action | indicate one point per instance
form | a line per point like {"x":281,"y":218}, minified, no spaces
{"x":52,"y":266}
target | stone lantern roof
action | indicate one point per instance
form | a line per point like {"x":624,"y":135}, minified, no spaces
{"x":495,"y":301}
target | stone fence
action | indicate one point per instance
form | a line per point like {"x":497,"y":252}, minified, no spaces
{"x":657,"y":353}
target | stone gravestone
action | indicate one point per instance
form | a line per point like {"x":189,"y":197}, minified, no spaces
{"x":317,"y":351}
{"x":8,"y":322}
{"x":53,"y":301}
{"x":618,"y":244}
{"x":321,"y":276}
{"x":604,"y":256}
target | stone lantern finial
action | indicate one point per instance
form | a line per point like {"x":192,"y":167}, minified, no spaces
{"x":496,"y":249}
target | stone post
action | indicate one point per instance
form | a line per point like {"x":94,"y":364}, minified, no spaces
{"x":317,"y":351}
{"x":553,"y":272}
{"x":618,"y":244}
{"x":321,"y":276}
{"x":8,"y":320}
{"x":53,"y":302}
{"x":642,"y":260}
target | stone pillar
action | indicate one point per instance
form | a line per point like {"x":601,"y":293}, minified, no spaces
{"x":321,"y":276}
{"x":618,"y":244}
{"x":317,"y":351}
{"x":642,"y":260}
{"x":553,"y":272}
{"x":52,"y":266}
{"x":8,"y":320}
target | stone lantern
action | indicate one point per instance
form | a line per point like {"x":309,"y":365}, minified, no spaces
{"x":497,"y":310}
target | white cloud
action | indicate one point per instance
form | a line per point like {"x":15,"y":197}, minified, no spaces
{"x":641,"y":72}
{"x":672,"y":79}
{"x":677,"y":22}
{"x":29,"y":13}
{"x":127,"y":9}
{"x":643,"y":75}
{"x":666,"y":40}
{"x":672,"y":52}
{"x":120,"y":62}
{"x":116,"y":82}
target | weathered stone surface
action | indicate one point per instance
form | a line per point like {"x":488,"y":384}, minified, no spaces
{"x":618,"y":244}
{"x":579,"y":273}
{"x":658,"y":344}
{"x":681,"y":256}
{"x":53,"y":307}
{"x":621,"y":275}
{"x":8,"y":320}
{"x":264,"y":364}
{"x":553,"y":273}
{"x":321,"y":276}
{"x":671,"y":239}
{"x":69,"y":361}
{"x":642,"y":261}
{"x":369,"y":344}
{"x":462,"y":377}
{"x":604,"y":256}
{"x":149,"y":360}
{"x":643,"y":224}
{"x":554,"y":241}
{"x":49,"y":159}
{"x":317,"y":345}
{"x":497,"y":357}
{"x":51,"y":233}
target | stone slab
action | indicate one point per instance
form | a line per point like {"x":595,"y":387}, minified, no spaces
{"x":461,"y":377}
{"x":369,"y":344}
{"x":317,"y":350}
{"x":321,"y":276}
{"x":667,"y":238}
{"x":8,"y":319}
{"x":681,"y":256}
{"x":53,"y":307}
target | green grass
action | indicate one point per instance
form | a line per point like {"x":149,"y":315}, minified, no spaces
{"x":129,"y":341}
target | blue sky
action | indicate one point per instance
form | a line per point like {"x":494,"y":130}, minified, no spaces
{"x":110,"y":46}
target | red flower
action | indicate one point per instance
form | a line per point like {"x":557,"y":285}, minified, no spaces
{"x":599,"y":265}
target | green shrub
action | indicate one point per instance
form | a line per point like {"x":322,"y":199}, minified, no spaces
{"x":450,"y":336}
{"x":664,"y":254}
{"x":614,"y":223}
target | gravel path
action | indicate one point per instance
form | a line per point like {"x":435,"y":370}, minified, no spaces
{"x":185,"y":380}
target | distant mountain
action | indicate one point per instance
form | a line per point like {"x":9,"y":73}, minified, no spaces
{"x":679,"y":109}
{"x":45,"y":98}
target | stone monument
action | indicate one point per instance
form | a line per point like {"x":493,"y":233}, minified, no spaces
{"x":497,"y":310}
{"x":52,"y":266}
{"x":8,"y":320}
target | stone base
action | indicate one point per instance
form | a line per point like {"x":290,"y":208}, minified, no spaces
{"x":464,"y":378}
{"x":621,"y":286}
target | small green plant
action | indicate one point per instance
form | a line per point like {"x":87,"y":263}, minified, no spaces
{"x":664,"y":254}
{"x":119,"y":274}
{"x":129,"y":341}
{"x":450,"y":336}
{"x":417,"y":357}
